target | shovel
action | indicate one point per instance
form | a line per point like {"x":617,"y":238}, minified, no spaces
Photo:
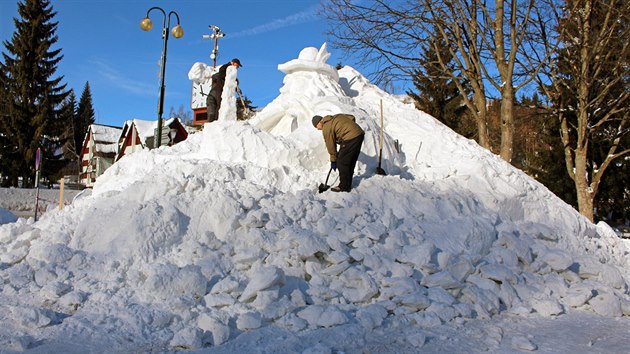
{"x":324,"y":186}
{"x":379,"y":170}
{"x":246,"y":110}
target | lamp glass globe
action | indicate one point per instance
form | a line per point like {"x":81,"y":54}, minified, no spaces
{"x":146,"y":24}
{"x":177,"y":31}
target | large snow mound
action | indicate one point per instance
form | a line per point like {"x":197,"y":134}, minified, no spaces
{"x":225,"y":234}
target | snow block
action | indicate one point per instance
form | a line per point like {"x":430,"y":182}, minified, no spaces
{"x":578,"y":295}
{"x":444,"y":312}
{"x":442,"y":279}
{"x":440,"y":295}
{"x":417,"y":339}
{"x":248,"y":321}
{"x":497,"y":272}
{"x":557,"y":259}
{"x":219,"y":300}
{"x":588,"y":267}
{"x":358,"y":285}
{"x":397,"y":286}
{"x":225,"y":285}
{"x":519,"y":246}
{"x":168,"y":282}
{"x":371,"y":316}
{"x":73,"y":300}
{"x":612,"y":277}
{"x":523,"y":343}
{"x":547,"y":307}
{"x":426,"y":319}
{"x":323,"y":316}
{"x":33,"y":317}
{"x":261,"y":278}
{"x":187,"y":338}
{"x":220,"y":331}
{"x":460,"y":268}
{"x":606,"y":305}
{"x":417,"y":301}
{"x":17,"y":343}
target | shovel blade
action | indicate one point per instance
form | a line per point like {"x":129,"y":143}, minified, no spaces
{"x":380,"y":171}
{"x":323,"y":188}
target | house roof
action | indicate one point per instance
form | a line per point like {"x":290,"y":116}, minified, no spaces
{"x":105,"y":133}
{"x":146,"y":128}
{"x":105,"y":138}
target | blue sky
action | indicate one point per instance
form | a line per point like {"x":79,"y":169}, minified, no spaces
{"x":103,"y":44}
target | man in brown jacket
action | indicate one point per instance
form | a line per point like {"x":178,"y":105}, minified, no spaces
{"x":341,"y":129}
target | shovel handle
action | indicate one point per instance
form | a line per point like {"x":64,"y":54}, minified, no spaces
{"x":329,"y":171}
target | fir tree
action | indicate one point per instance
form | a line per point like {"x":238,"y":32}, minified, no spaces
{"x":84,"y":118}
{"x":68,"y":116}
{"x":589,"y":94}
{"x":437,"y":93}
{"x":32,"y":92}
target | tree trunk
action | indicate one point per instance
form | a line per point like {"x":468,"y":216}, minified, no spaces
{"x":507,"y":122}
{"x":585,"y":193}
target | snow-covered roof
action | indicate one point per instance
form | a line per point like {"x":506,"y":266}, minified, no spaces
{"x":105,"y":138}
{"x":146,"y":128}
{"x":106,"y":148}
{"x":105,"y":133}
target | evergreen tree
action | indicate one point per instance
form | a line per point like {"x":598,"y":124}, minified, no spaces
{"x":5,"y":163}
{"x":84,"y":118}
{"x":68,"y":116}
{"x":539,"y":148}
{"x":588,"y":89}
{"x":437,"y":94}
{"x":32,"y":92}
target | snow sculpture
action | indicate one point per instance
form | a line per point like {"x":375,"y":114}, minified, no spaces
{"x":228,"y":99}
{"x":311,"y":86}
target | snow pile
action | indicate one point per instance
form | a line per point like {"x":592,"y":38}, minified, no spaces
{"x":224,"y":237}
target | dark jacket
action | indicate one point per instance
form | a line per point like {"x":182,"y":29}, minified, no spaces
{"x":337,"y":129}
{"x":218,"y":80}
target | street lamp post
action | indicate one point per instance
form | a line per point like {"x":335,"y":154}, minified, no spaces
{"x":178,"y":32}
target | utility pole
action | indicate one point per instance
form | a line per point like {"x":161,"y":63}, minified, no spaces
{"x":216,"y":34}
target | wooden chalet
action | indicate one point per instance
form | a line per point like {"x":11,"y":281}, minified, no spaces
{"x":139,"y":134}
{"x":98,"y":152}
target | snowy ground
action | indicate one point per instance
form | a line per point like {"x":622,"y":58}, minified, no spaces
{"x":221,"y":244}
{"x":21,"y":202}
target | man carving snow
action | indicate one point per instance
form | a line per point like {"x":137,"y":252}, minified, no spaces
{"x":213,"y":101}
{"x":341,"y":129}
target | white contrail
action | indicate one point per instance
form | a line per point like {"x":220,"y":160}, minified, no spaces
{"x":308,"y":15}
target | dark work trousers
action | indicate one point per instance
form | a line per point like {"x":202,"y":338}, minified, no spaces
{"x":346,"y":161}
{"x":213,"y":102}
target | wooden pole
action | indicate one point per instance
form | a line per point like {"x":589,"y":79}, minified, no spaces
{"x":61,"y":193}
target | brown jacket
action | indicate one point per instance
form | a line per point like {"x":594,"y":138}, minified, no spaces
{"x":337,"y":129}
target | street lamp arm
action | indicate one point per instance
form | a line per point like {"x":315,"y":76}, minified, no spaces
{"x":161,"y":10}
{"x":169,"y":17}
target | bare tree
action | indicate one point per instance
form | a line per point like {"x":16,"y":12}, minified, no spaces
{"x":587,"y":82}
{"x":486,"y":40}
